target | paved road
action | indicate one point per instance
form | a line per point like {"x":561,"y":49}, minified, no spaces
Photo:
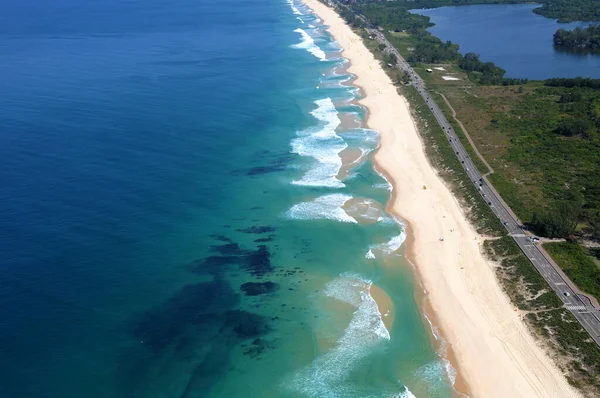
{"x":579,"y":304}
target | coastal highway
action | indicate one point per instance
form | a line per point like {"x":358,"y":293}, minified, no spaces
{"x":577,"y":303}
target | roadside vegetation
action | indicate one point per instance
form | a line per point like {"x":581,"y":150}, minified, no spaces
{"x":570,"y":345}
{"x":579,"y":265}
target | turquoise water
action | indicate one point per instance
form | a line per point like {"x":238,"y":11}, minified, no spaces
{"x":178,"y":219}
{"x":514,"y":38}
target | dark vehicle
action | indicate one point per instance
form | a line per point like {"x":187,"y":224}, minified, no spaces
{"x":490,"y":203}
{"x":457,"y":153}
{"x":462,"y":161}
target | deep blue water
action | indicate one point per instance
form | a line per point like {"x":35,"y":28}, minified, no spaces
{"x":119,"y":121}
{"x":514,"y":38}
{"x":158,"y":157}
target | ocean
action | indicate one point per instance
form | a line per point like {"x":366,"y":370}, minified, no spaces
{"x":190,"y":210}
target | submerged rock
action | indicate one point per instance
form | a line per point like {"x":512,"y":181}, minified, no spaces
{"x":258,"y":288}
{"x":257,"y":229}
{"x":203,"y":306}
{"x":245,"y":325}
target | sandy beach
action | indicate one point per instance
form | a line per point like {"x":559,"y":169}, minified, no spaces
{"x":493,"y":351}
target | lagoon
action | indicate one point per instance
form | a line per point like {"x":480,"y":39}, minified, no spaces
{"x":513,"y":37}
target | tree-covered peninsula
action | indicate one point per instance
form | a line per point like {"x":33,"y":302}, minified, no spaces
{"x":584,"y":38}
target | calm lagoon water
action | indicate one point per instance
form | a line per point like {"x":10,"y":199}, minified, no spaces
{"x":513,"y":37}
{"x":177,"y":220}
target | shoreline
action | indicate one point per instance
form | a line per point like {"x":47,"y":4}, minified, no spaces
{"x":489,"y":346}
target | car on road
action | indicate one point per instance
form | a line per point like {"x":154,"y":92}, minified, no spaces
{"x":567,"y":294}
{"x":457,"y":152}
{"x":490,"y":203}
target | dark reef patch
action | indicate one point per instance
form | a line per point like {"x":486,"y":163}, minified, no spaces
{"x":213,"y":263}
{"x":258,"y":288}
{"x":257,"y":262}
{"x":258,"y":347}
{"x":222,"y":238}
{"x":196,"y":329}
{"x":265,"y":169}
{"x":257,"y":229}
{"x":263,"y":240}
{"x":194,"y":306}
{"x":228,"y":249}
{"x":245,"y":325}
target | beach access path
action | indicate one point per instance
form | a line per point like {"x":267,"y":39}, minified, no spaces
{"x":492,"y":348}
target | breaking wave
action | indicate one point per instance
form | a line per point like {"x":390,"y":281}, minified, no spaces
{"x":322,"y":144}
{"x":328,"y":207}
{"x":309,"y":45}
{"x":328,"y":374}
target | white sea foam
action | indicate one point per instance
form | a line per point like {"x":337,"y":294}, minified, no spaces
{"x":370,"y":255}
{"x":450,"y":371}
{"x":404,"y":394}
{"x":389,"y":247}
{"x":300,"y":19}
{"x":328,"y":207}
{"x":328,"y":374}
{"x":366,"y":209}
{"x":388,"y":185}
{"x":294,"y":9}
{"x":383,"y":185}
{"x":394,"y":243}
{"x":309,"y":45}
{"x":448,"y":368}
{"x":432,"y":375}
{"x":322,"y":144}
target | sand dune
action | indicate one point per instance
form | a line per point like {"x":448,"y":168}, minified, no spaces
{"x":493,"y":350}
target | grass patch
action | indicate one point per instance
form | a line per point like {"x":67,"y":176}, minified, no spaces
{"x":520,"y":279}
{"x":581,"y":267}
{"x":579,"y":354}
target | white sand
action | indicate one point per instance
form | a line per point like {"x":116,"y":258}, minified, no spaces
{"x":450,"y":78}
{"x":495,"y":353}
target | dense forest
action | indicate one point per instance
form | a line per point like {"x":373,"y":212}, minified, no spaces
{"x":586,"y":38}
{"x":570,"y":10}
{"x":563,"y":10}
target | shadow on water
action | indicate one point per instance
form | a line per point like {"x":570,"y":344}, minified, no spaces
{"x":581,"y":52}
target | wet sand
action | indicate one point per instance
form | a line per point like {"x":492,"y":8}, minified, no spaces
{"x":385,"y":305}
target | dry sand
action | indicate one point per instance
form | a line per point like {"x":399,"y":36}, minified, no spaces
{"x":493,"y":350}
